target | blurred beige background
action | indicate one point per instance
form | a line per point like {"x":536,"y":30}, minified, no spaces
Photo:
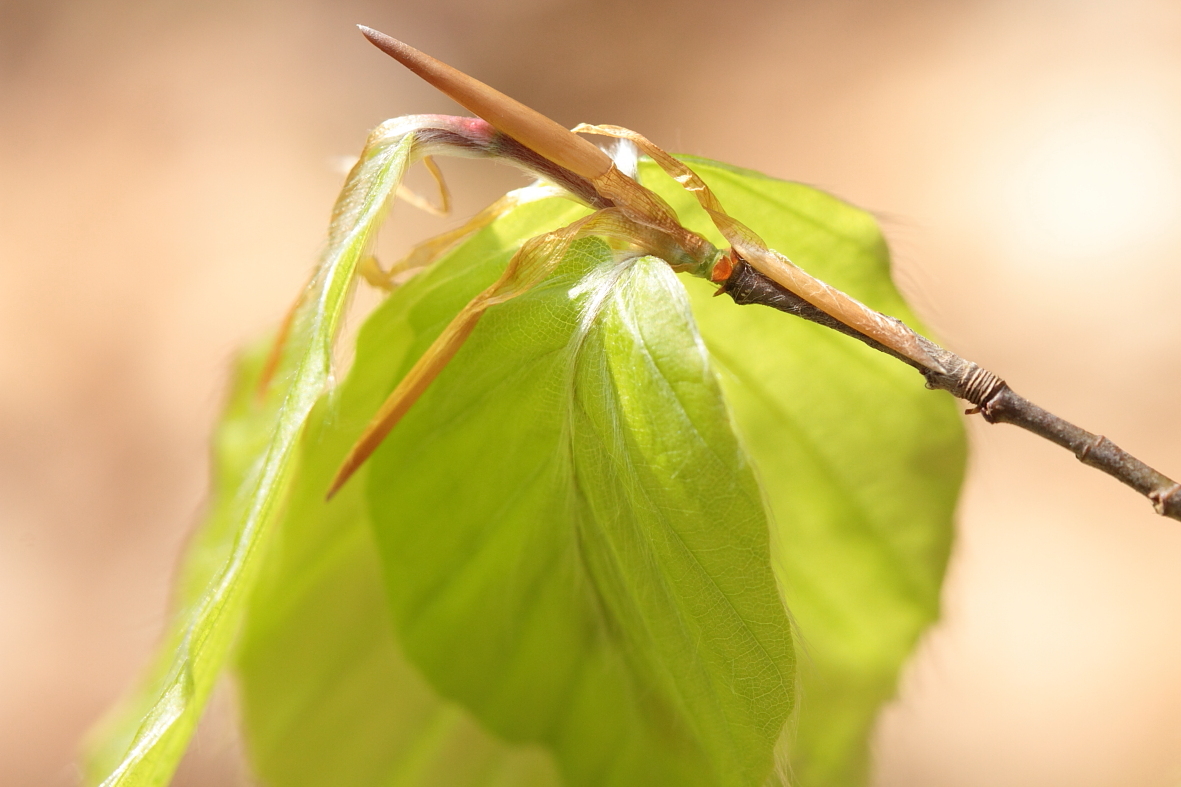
{"x":166,"y":172}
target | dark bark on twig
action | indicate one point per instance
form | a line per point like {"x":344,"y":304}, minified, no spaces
{"x":992,"y":396}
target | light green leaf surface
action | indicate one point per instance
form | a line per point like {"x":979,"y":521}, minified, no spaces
{"x":327,"y":696}
{"x":860,"y":464}
{"x":141,"y":744}
{"x":574,"y":545}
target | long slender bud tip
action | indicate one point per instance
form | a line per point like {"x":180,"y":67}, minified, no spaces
{"x":509,"y":116}
{"x":388,"y":44}
{"x":342,"y":475}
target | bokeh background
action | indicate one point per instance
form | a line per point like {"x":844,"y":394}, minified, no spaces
{"x":166,"y":172}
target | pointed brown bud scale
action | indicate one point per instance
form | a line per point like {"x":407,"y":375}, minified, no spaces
{"x":528,"y":126}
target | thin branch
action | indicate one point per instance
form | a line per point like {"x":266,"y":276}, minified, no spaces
{"x":991,"y":396}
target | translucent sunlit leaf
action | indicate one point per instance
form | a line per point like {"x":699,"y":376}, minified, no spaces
{"x":141,"y":744}
{"x":574,"y":545}
{"x":859,"y":463}
{"x":327,"y":695}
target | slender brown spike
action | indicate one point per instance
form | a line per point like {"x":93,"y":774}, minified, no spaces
{"x":412,"y":386}
{"x":509,"y":116}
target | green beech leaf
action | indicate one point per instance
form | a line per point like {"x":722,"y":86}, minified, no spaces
{"x":573,"y":549}
{"x":141,"y":744}
{"x":859,"y":463}
{"x":574,"y":545}
{"x":327,"y":696}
